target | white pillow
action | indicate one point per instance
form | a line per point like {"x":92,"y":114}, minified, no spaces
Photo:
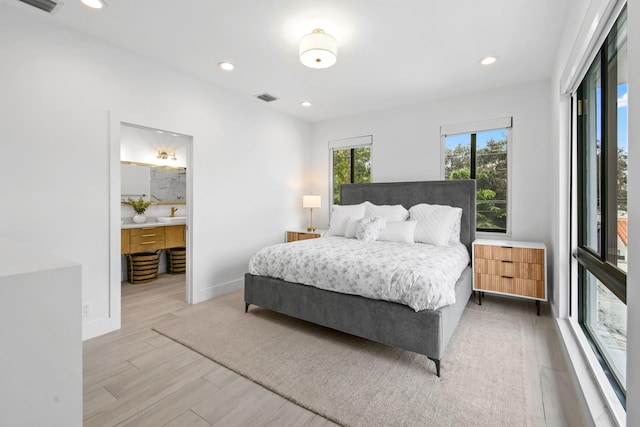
{"x":399,"y":231}
{"x":389,"y":212}
{"x":351,"y":228}
{"x":370,"y":228}
{"x":435,"y":223}
{"x":455,"y":230}
{"x":339,"y":216}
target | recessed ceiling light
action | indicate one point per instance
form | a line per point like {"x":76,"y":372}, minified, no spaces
{"x":95,"y":4}
{"x":306,"y":103}
{"x":489,"y":60}
{"x":227,"y":66}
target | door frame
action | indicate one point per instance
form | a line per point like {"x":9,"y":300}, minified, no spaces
{"x":115,"y":276}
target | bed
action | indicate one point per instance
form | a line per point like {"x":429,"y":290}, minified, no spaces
{"x":426,"y":332}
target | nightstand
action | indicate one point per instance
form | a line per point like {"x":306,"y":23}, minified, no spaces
{"x":302,"y":234}
{"x":510,"y":268}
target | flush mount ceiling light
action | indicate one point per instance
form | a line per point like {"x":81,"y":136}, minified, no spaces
{"x":489,"y":60}
{"x":95,"y":4}
{"x":318,"y":49}
{"x":226,"y":66}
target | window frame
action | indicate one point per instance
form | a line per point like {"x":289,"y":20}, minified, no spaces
{"x":344,"y":144}
{"x":597,"y":262}
{"x":474,"y":128}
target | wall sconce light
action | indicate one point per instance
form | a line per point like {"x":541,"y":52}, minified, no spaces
{"x":318,"y":49}
{"x":164,"y":155}
{"x":311,"y":201}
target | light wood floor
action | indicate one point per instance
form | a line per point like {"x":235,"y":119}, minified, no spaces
{"x":136,"y":377}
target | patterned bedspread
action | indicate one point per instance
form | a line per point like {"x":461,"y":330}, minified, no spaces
{"x":418,"y":275}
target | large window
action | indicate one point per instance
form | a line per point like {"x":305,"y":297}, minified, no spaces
{"x":350,"y":164}
{"x":482,"y":155}
{"x":601,"y":117}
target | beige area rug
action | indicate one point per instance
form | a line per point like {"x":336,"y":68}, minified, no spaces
{"x":357,"y":382}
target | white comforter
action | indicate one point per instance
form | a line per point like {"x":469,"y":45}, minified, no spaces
{"x":418,"y":275}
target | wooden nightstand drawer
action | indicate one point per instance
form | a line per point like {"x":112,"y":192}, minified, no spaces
{"x":510,"y":253}
{"x":509,"y":268}
{"x":510,"y":285}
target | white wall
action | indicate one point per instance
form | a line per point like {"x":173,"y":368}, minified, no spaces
{"x":406,"y":147}
{"x":58,"y":88}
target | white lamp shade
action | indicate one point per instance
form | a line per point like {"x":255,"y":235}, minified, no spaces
{"x":318,"y":50}
{"x":311,"y":201}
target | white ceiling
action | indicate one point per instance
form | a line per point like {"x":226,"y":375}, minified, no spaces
{"x":390,"y":53}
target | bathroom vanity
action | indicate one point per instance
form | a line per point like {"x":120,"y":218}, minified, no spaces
{"x":151,"y":236}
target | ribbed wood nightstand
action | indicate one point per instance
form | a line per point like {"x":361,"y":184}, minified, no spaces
{"x":510,"y":268}
{"x":295,"y":235}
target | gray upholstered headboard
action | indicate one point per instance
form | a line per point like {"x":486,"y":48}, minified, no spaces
{"x":459,"y":193}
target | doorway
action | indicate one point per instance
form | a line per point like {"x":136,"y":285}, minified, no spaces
{"x":153,"y":165}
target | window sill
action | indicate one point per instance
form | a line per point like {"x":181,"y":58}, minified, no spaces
{"x":600,"y":405}
{"x":492,"y":235}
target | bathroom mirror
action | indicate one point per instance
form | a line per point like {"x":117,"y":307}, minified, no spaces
{"x":159,"y":184}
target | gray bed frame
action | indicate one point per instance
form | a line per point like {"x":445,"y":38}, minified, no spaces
{"x":425,"y":332}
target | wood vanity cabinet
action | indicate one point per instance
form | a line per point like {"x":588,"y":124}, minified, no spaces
{"x":151,"y":238}
{"x":174,"y":236}
{"x":146,"y":239}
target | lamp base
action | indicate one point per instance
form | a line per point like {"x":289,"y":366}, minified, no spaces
{"x":311,"y":229}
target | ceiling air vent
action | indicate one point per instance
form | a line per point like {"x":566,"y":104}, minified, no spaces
{"x":48,"y":6}
{"x":266,"y":97}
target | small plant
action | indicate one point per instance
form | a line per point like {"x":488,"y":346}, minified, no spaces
{"x":139,"y":205}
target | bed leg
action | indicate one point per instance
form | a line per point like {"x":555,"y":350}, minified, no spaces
{"x":246,"y":307}
{"x":437,"y":362}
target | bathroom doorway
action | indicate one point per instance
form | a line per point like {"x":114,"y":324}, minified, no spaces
{"x":154,"y":205}
{"x":150,"y":177}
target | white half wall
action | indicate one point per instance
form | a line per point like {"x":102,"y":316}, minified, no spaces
{"x":58,"y":88}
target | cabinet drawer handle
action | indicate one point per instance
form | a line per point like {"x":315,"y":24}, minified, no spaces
{"x":510,"y":262}
{"x":147,"y":243}
{"x":507,"y":277}
{"x":147,"y":235}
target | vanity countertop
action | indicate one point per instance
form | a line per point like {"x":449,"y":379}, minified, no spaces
{"x":151,"y":223}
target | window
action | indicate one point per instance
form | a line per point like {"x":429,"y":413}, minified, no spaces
{"x":601,"y":157}
{"x":482,"y":155}
{"x":350,"y":163}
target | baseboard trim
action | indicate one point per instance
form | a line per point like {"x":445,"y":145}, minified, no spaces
{"x":99,"y":327}
{"x":204,"y":294}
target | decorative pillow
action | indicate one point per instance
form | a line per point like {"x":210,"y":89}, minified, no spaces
{"x":455,"y":230}
{"x":351,"y":228}
{"x":339,"y":216}
{"x":435,"y":223}
{"x":399,"y":231}
{"x":370,"y":228}
{"x":389,"y":212}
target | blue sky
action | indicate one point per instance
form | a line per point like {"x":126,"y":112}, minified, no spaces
{"x":481,"y":138}
{"x":623,"y":117}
